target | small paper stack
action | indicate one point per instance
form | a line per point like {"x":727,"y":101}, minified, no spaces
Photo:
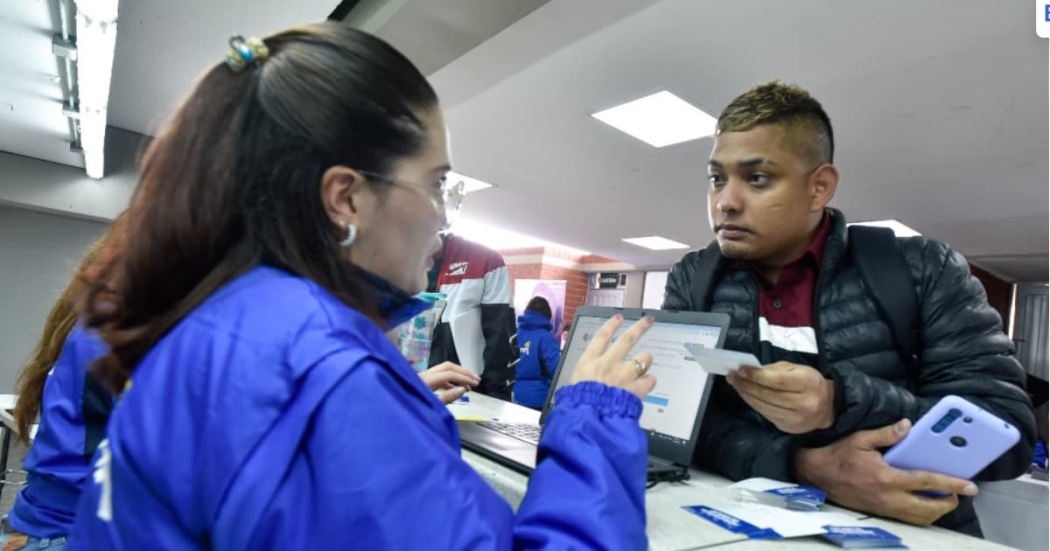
{"x":862,"y":537}
{"x":795,"y":497}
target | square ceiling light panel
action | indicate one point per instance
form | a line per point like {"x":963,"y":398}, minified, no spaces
{"x":660,"y":120}
{"x":899,"y":229}
{"x":656,"y":243}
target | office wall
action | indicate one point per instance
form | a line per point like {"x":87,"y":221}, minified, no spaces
{"x":41,"y":185}
{"x":38,"y":253}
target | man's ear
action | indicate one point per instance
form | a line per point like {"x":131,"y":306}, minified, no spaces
{"x":341,"y":194}
{"x":822,"y":186}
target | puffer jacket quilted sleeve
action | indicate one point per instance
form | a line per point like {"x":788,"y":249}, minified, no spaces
{"x":965,"y":353}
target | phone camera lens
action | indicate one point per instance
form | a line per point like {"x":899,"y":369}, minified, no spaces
{"x":968,"y":420}
{"x":958,"y":441}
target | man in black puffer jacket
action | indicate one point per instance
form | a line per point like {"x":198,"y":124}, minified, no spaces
{"x":833,"y":392}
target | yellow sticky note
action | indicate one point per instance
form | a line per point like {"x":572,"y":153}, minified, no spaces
{"x":470,"y":418}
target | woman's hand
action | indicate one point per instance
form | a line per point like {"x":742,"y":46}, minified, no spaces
{"x":450,"y":378}
{"x":605,"y":363}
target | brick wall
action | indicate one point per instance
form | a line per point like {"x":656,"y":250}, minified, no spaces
{"x":551,"y":263}
{"x":524,"y":271}
{"x":575,"y":286}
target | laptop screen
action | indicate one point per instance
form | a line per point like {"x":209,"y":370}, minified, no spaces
{"x":669,"y":411}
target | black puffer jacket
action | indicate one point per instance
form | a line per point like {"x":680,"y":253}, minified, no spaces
{"x":964,"y":352}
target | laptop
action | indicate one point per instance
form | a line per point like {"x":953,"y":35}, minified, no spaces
{"x":671,"y":413}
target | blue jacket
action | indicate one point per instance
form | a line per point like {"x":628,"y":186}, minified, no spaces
{"x":72,"y":417}
{"x":536,"y":346}
{"x":275,"y":417}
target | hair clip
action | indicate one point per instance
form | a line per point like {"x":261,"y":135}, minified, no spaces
{"x":245,"y":51}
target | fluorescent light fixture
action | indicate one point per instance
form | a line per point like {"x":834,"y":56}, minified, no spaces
{"x":500,"y":239}
{"x":899,"y":229}
{"x":656,"y":243}
{"x":92,"y":139}
{"x":660,"y":120}
{"x":96,"y":44}
{"x":469,"y":184}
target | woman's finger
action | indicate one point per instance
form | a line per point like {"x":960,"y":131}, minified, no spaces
{"x":623,"y":345}
{"x":646,"y":360}
{"x":601,"y":339}
{"x":453,"y":394}
{"x":449,"y":366}
{"x":436,"y":380}
{"x":642,"y":386}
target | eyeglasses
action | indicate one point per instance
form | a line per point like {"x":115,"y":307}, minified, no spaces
{"x":447,"y":199}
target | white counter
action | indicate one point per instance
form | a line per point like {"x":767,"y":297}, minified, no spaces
{"x":670,"y":527}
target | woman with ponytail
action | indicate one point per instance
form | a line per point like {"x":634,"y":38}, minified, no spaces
{"x":283,"y":222}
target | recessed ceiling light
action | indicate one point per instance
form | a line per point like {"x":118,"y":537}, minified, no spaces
{"x":656,"y":243}
{"x":469,"y":184}
{"x":501,"y":239}
{"x":899,"y":229}
{"x":659,"y":120}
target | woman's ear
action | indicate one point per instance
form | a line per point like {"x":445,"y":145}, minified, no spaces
{"x":341,"y":195}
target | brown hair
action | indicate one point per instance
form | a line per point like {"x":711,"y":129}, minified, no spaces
{"x":787,"y":105}
{"x":540,"y":306}
{"x":60,"y":322}
{"x":234,"y":181}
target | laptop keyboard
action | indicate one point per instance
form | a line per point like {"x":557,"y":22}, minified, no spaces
{"x":522,"y":431}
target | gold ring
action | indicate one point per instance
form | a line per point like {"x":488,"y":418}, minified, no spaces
{"x":639,"y":366}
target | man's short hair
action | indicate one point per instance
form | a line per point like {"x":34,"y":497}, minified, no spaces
{"x":807,"y":125}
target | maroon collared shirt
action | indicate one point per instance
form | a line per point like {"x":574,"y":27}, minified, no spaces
{"x":789,"y":301}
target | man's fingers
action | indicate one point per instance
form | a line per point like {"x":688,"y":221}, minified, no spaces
{"x":773,"y":398}
{"x":779,"y":416}
{"x":923,"y":481}
{"x":924,"y":511}
{"x":884,"y":437}
{"x":776,"y":377}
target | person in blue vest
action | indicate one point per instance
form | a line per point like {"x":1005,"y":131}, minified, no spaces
{"x":55,"y":388}
{"x":282,"y":223}
{"x":539,"y":354}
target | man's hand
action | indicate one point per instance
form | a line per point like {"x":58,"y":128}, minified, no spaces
{"x":795,"y":398}
{"x":450,"y":378}
{"x":854,"y":475}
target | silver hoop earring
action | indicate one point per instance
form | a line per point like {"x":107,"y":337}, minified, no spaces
{"x":351,"y":236}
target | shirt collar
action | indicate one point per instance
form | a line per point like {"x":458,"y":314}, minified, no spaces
{"x":815,"y":249}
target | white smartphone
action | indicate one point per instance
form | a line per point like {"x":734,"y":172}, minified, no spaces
{"x":717,"y":361}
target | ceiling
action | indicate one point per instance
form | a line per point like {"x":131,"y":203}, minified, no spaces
{"x":939,"y":106}
{"x":31,"y":85}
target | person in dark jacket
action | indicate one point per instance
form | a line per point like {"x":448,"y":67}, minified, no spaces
{"x":833,"y":392}
{"x":539,"y":354}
